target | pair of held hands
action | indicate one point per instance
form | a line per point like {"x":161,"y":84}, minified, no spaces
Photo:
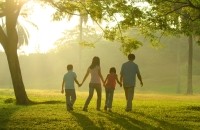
{"x":104,"y":84}
{"x":79,"y":85}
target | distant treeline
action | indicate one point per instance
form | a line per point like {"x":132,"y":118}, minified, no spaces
{"x":158,"y":66}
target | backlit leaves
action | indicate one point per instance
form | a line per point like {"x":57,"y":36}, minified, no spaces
{"x":121,"y":13}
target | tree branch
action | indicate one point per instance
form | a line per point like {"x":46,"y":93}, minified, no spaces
{"x":92,"y":17}
{"x":176,"y":9}
{"x":189,"y":3}
{"x":118,"y":26}
{"x":192,"y":5}
{"x":58,"y":8}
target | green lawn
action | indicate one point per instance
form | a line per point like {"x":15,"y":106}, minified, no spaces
{"x":151,"y":111}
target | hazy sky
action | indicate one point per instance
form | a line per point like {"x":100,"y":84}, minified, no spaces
{"x":43,"y":37}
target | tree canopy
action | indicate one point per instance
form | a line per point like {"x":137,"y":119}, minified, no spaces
{"x":172,"y":17}
{"x":119,"y":16}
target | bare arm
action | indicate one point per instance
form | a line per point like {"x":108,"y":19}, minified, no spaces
{"x":121,"y":78}
{"x":77,"y":82}
{"x":62,"y":90}
{"x":104,"y":84}
{"x":100,"y":75}
{"x":85,"y":77}
{"x":118,"y":81}
{"x":140,"y":78}
{"x":106,"y":79}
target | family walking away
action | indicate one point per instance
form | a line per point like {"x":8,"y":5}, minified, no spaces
{"x":129,"y":72}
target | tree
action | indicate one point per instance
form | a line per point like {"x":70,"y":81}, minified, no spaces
{"x":173,"y":17}
{"x":10,"y":10}
{"x":18,"y":35}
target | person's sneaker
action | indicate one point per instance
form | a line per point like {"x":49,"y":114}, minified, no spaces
{"x":85,"y":109}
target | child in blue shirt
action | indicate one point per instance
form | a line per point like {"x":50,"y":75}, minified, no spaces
{"x":68,"y":82}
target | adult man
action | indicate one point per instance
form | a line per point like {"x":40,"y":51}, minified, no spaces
{"x":128,"y":73}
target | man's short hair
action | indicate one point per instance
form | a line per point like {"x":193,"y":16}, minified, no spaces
{"x":131,"y":57}
{"x":69,"y":67}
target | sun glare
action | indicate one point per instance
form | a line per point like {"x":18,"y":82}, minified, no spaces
{"x":43,"y":30}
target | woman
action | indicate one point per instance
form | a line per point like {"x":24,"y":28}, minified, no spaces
{"x":95,"y":83}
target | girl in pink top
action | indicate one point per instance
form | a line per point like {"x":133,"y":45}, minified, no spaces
{"x":95,"y":83}
{"x":110,"y":84}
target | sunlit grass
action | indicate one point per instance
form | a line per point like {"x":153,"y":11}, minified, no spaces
{"x":150,"y":111}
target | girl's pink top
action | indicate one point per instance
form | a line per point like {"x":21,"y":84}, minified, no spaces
{"x":95,"y":78}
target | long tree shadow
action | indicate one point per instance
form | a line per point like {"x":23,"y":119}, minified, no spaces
{"x":6,"y":113}
{"x":193,"y":108}
{"x":7,"y":110}
{"x":163,"y":124}
{"x":47,"y":102}
{"x":127,"y":122}
{"x":85,"y":122}
{"x":11,"y":100}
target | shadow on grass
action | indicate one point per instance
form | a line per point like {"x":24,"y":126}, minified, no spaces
{"x":11,"y":100}
{"x":162,"y":124}
{"x":127,"y":122}
{"x":47,"y":102}
{"x":193,"y":108}
{"x":6,"y":113}
{"x":10,"y":107}
{"x":85,"y":122}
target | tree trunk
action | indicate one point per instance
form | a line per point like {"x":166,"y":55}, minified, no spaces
{"x":10,"y":45}
{"x":18,"y":85}
{"x":190,"y":56}
{"x":178,"y":90}
{"x":80,"y":40}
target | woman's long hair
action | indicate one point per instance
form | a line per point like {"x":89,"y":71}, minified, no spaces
{"x":95,"y":62}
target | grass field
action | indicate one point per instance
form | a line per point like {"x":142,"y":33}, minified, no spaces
{"x":151,"y":111}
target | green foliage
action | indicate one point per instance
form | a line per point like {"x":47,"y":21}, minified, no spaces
{"x":129,"y":45}
{"x":65,"y":8}
{"x":174,"y":17}
{"x":110,"y":33}
{"x":121,"y":13}
{"x":86,"y":44}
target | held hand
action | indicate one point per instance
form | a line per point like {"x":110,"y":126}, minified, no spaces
{"x":79,"y":85}
{"x":141,"y":83}
{"x":120,"y":84}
